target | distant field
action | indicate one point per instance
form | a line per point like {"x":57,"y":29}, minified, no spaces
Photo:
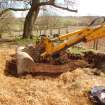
{"x":16,"y":34}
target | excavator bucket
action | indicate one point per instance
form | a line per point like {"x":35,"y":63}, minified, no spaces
{"x":26,"y":63}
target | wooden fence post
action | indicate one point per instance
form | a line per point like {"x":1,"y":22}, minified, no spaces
{"x":95,"y":45}
{"x":40,"y":31}
{"x":50,"y":31}
{"x":59,"y":31}
{"x":0,"y":35}
{"x":67,"y":30}
{"x":44,"y":31}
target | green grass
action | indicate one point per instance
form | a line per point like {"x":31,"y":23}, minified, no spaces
{"x":20,"y":41}
{"x":79,"y":50}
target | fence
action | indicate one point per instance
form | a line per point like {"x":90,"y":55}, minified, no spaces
{"x":52,"y":31}
{"x":97,"y":44}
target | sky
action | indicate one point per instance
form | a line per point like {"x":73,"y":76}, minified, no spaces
{"x":91,"y":7}
{"x":85,"y":8}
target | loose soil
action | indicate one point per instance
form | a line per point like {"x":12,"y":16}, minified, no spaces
{"x":69,"y":88}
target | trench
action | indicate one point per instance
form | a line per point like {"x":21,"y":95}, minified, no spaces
{"x":64,"y":62}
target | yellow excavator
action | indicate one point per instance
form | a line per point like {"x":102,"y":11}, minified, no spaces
{"x":83,"y":35}
{"x":26,"y":56}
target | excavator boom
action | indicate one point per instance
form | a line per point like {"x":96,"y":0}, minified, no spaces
{"x":83,"y":35}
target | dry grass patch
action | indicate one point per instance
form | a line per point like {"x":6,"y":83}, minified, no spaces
{"x":69,"y":88}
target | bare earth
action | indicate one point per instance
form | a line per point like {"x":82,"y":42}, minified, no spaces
{"x":69,"y":88}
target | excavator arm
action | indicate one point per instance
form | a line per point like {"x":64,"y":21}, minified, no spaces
{"x":83,"y":35}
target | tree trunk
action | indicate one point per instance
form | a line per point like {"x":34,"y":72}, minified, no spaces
{"x":29,"y":21}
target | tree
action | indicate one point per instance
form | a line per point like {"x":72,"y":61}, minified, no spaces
{"x":33,"y":12}
{"x":6,"y":21}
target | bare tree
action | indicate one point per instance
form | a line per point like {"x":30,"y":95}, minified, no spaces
{"x":33,"y":12}
{"x":6,"y":20}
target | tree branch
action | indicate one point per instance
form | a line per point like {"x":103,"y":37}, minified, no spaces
{"x":13,"y":9}
{"x":17,"y":9}
{"x":64,"y":8}
{"x":51,"y":2}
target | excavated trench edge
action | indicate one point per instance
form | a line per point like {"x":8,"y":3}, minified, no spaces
{"x":87,"y":60}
